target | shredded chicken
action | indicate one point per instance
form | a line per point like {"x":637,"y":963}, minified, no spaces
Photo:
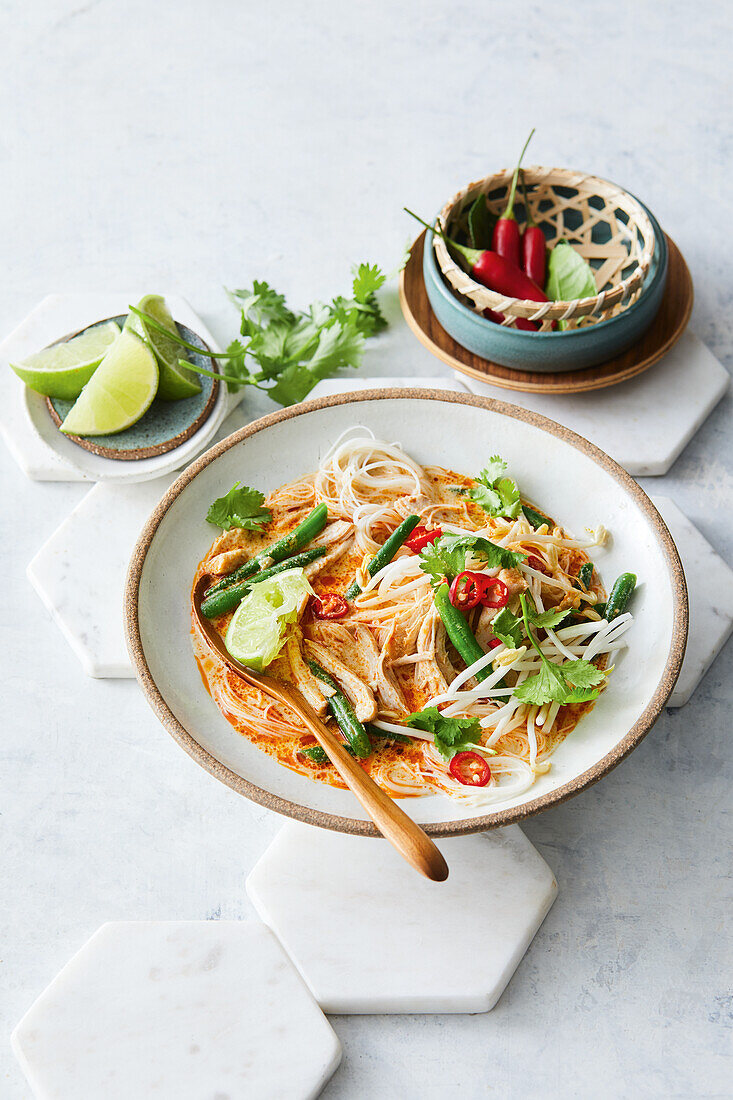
{"x":514,"y":581}
{"x":302,"y":676}
{"x":357,"y":690}
{"x":428,"y":674}
{"x":227,"y":562}
{"x":337,"y":551}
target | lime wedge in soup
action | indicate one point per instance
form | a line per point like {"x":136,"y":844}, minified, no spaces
{"x":64,"y":369}
{"x":175,"y":381}
{"x":119,"y":392}
{"x":256,"y":633}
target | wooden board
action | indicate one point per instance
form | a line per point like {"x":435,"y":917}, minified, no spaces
{"x":666,"y":330}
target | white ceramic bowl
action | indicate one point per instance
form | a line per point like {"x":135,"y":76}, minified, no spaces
{"x":562,"y":472}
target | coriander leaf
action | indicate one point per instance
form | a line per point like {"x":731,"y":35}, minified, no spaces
{"x":582,"y":674}
{"x":493,"y":470}
{"x":338,"y":346}
{"x":294,"y":383}
{"x":496,"y":494}
{"x":261,"y":306}
{"x":486,"y":497}
{"x":511,"y":502}
{"x":582,"y":695}
{"x":569,"y":276}
{"x":303,"y":336}
{"x":241,"y":507}
{"x":446,"y":557}
{"x":546,"y":686}
{"x":546,"y":619}
{"x":440,"y":560}
{"x":508,"y":628}
{"x":495,"y":556}
{"x":451,"y":735}
{"x":368,"y":278}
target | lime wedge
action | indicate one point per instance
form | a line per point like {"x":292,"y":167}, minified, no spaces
{"x":64,"y":369}
{"x":257,"y":631}
{"x":175,"y":381}
{"x":119,"y":392}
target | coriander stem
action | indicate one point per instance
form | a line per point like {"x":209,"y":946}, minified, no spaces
{"x":228,"y":378}
{"x":177,"y":338}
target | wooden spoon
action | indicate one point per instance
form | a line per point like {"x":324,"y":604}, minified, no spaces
{"x":393,"y":823}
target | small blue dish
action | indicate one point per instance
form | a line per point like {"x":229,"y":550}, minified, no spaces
{"x":548,"y":352}
{"x":166,"y":424}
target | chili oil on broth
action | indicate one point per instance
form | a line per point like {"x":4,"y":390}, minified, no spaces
{"x":404,"y":770}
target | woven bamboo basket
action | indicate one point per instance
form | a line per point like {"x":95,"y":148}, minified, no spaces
{"x":605,"y":224}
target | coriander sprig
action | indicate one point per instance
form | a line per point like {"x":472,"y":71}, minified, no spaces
{"x":570,"y":682}
{"x":286,"y":352}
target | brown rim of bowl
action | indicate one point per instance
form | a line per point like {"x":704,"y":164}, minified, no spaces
{"x":437,"y":829}
{"x":89,"y":443}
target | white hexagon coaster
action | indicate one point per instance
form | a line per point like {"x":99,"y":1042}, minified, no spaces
{"x":370,"y":936}
{"x":79,"y":573}
{"x":644,"y":423}
{"x":710,"y":588}
{"x":40,"y":450}
{"x":179,"y":1010}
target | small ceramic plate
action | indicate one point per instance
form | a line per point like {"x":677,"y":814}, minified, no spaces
{"x":164,"y":426}
{"x":570,"y":477}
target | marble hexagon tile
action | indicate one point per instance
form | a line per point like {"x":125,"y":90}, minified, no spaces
{"x":178,"y":1010}
{"x":644,"y":423}
{"x":710,"y":591}
{"x":369,"y":937}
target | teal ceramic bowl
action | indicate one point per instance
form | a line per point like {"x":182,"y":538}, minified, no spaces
{"x":548,"y":352}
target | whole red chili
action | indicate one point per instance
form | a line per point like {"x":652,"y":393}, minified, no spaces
{"x":422,"y":537}
{"x":470,"y":769}
{"x":329,"y":605}
{"x":534,"y":246}
{"x":505,"y":238}
{"x":522,"y":323}
{"x":492,"y":270}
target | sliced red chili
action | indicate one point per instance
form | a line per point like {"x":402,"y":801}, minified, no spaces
{"x":467,"y":590}
{"x":329,"y":605}
{"x":494,"y":642}
{"x":470,"y":769}
{"x":422,"y":537}
{"x":495,"y":593}
{"x":537,"y":563}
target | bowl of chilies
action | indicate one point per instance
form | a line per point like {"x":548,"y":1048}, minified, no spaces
{"x":545,"y":269}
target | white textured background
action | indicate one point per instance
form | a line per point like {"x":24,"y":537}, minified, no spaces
{"x":190,"y":145}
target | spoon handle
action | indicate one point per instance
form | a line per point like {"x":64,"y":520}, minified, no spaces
{"x":393,"y":823}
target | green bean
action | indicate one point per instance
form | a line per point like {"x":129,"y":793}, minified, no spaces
{"x":536,"y":518}
{"x":386,"y":552}
{"x":295,"y":540}
{"x":459,"y":631}
{"x":227,"y":598}
{"x":387,"y":735}
{"x":585,"y":574}
{"x":620,"y":595}
{"x":319,"y":755}
{"x":343,"y":712}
